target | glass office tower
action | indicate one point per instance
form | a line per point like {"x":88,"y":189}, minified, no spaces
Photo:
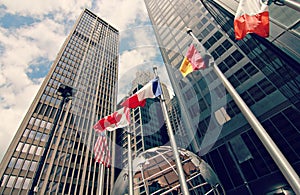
{"x":264,"y":72}
{"x":52,"y":151}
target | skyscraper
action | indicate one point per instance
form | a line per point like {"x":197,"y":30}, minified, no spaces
{"x":52,"y":149}
{"x":264,"y":72}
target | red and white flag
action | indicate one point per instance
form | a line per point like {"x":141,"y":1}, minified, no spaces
{"x":150,"y":90}
{"x":252,"y":16}
{"x":101,"y":151}
{"x":118,"y":119}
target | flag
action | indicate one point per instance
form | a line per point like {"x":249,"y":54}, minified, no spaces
{"x":150,"y":90}
{"x":252,"y":16}
{"x":101,"y":151}
{"x":118,"y":119}
{"x":192,"y":61}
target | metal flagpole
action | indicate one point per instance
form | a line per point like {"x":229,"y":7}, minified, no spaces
{"x":101,"y":180}
{"x":182,"y":180}
{"x":130,"y":175}
{"x":290,"y":3}
{"x":284,"y":166}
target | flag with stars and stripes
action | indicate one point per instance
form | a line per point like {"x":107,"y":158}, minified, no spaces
{"x":101,"y":151}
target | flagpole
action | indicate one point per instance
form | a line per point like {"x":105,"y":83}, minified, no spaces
{"x":130,"y":175}
{"x":284,"y":166}
{"x":290,"y":3}
{"x":101,"y":182}
{"x":182,"y":180}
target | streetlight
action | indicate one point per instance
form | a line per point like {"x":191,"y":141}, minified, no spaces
{"x":66,"y":92}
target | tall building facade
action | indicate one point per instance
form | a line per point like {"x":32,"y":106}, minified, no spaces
{"x":176,"y":124}
{"x":264,"y":72}
{"x":52,"y":151}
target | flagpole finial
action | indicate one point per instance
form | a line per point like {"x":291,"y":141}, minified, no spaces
{"x":188,"y":30}
{"x":155,"y":71}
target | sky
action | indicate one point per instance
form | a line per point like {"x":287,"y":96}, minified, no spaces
{"x":33,"y":31}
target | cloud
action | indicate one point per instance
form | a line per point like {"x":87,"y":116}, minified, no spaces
{"x":42,"y":9}
{"x":122,"y":13}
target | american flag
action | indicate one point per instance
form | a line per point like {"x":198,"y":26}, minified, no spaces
{"x":101,"y":151}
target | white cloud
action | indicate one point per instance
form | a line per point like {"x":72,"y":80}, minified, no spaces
{"x":41,"y":9}
{"x":121,"y":13}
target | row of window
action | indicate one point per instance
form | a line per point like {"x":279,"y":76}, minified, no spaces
{"x":23,"y":164}
{"x":16,"y":182}
{"x":38,"y":136}
{"x":39,"y":123}
{"x":31,"y":149}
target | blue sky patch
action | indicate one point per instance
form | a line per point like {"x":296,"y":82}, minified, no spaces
{"x":39,"y":68}
{"x":15,"y":21}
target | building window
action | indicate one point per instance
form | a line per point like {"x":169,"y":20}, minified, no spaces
{"x":26,"y":165}
{"x":218,"y":35}
{"x":237,"y":55}
{"x":11,"y":181}
{"x":32,"y":149}
{"x":202,"y":104}
{"x":256,"y":93}
{"x":19,"y":147}
{"x":226,"y":44}
{"x":223,"y":67}
{"x":26,"y":132}
{"x":26,"y":183}
{"x":266,"y":86}
{"x":210,"y":27}
{"x":31,"y":134}
{"x":26,"y":148}
{"x":205,"y":32}
{"x":234,"y":81}
{"x":19,"y":163}
{"x":220,"y":50}
{"x":12,"y":162}
{"x":220,"y":91}
{"x":241,"y":75}
{"x":19,"y":182}
{"x":229,"y":61}
{"x":250,"y":69}
{"x":189,"y":94}
{"x":204,"y":20}
{"x":4,"y":179}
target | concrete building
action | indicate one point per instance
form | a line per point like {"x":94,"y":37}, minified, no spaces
{"x":265,"y":72}
{"x":52,"y":151}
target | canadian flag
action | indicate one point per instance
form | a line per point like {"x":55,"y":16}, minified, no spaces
{"x":118,"y":119}
{"x":252,"y":16}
